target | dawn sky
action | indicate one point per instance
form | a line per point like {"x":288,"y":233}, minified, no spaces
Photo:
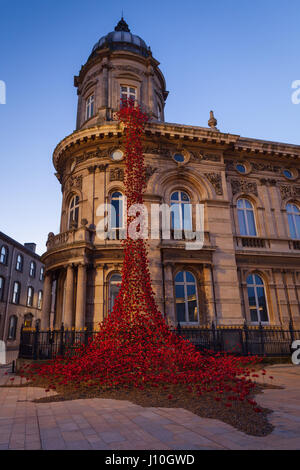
{"x":237,"y":57}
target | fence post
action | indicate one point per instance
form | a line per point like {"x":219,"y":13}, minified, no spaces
{"x":213,"y":329}
{"x":245,"y":344}
{"x":36,"y":341}
{"x":86,"y":337}
{"x":21,"y":341}
{"x":178,"y":328}
{"x":62,"y":346}
{"x":262,"y":340}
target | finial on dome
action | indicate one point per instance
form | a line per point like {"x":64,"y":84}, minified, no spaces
{"x":122,"y":25}
{"x":212,"y":122}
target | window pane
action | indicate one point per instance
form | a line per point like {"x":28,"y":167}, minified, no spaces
{"x":190,"y":277}
{"x":175,"y":197}
{"x":175,"y":216}
{"x":251,"y":223}
{"x":253,"y":315}
{"x":251,"y":297}
{"x":192,"y":308}
{"x":180,"y":312}
{"x":179,"y":292}
{"x":184,"y":197}
{"x":187,"y":217}
{"x":242,"y":223}
{"x":248,"y":204}
{"x":297,"y":217}
{"x":258,"y":280}
{"x":292,"y":226}
{"x":179,"y":277}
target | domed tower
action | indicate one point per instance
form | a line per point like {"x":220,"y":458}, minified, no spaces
{"x":83,"y":272}
{"x":120,"y":65}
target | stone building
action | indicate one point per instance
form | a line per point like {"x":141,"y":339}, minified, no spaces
{"x":249,"y":267}
{"x":21,"y":288}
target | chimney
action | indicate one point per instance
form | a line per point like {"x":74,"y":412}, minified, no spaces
{"x":30,"y":246}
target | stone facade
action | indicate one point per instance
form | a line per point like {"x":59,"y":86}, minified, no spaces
{"x":19,"y":264}
{"x":217,"y":169}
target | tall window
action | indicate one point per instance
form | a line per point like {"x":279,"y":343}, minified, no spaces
{"x":186,"y":297}
{"x":246,"y":217}
{"x":4,"y":255}
{"x":16,"y":293}
{"x":32,"y":269}
{"x":89,"y":107}
{"x":19,"y":263}
{"x":30,"y":293}
{"x":74,"y":212}
{"x":1,"y":287}
{"x":12,"y":327}
{"x":257,"y":299}
{"x":293,"y":213}
{"x":128,"y":93}
{"x":114,"y":288}
{"x":42,"y":272}
{"x":181,"y":211}
{"x":116,"y":217}
{"x":40,"y":299}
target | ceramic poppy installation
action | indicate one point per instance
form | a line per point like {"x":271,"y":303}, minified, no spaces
{"x":135,"y":346}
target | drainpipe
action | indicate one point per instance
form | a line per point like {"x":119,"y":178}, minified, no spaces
{"x":8,"y":294}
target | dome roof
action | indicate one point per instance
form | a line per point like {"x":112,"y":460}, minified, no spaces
{"x":121,"y":39}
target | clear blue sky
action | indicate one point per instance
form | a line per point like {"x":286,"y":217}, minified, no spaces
{"x":237,"y":57}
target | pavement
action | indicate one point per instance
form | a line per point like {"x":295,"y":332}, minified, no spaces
{"x":107,"y":424}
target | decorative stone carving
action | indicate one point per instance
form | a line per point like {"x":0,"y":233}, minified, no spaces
{"x":259,"y":166}
{"x":216,"y":180}
{"x":288,"y":191}
{"x":158,"y":151}
{"x":268,"y":182}
{"x":229,"y":165}
{"x":242,"y":185}
{"x":149,"y":172}
{"x":212,"y":158}
{"x":116,"y":174}
{"x":128,"y":68}
{"x":73,"y":182}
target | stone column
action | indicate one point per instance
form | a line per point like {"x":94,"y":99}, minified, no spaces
{"x":169,"y":293}
{"x":68,"y":317}
{"x":81,"y":297}
{"x":45,"y":323}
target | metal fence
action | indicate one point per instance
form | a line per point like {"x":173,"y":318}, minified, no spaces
{"x":243,"y":340}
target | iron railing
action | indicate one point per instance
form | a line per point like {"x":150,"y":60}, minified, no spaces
{"x":243,"y":340}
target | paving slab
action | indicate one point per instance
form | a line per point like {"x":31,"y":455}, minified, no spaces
{"x":108,"y":424}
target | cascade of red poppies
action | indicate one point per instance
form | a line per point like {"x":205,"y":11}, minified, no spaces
{"x":134,"y":346}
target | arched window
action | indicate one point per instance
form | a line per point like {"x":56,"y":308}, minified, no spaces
{"x":246,"y":218}
{"x":89,"y":107}
{"x":114,"y":288}
{"x":74,"y":212}
{"x":116,"y":216}
{"x":40,"y":299}
{"x":2,"y":281}
{"x":16,"y":293}
{"x":293,"y":213}
{"x":181,"y":215}
{"x":186,"y":297}
{"x":30,"y":294}
{"x":12,"y":327}
{"x":42,"y":273}
{"x":257,"y":299}
{"x":4,"y":255}
{"x":127,"y":93}
{"x":28,"y":320}
{"x":19,"y":263}
{"x":32,"y":269}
